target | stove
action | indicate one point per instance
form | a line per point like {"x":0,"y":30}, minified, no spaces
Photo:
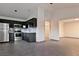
{"x":17,"y":32}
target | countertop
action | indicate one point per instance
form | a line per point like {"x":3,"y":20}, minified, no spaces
{"x":30,"y":30}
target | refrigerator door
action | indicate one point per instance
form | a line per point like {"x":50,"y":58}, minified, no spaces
{"x":4,"y":32}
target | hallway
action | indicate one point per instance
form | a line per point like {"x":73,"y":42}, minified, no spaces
{"x":64,"y":47}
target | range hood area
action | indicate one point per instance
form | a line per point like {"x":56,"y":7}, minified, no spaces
{"x":12,"y":31}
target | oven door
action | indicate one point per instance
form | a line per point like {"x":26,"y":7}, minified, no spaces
{"x":17,"y":35}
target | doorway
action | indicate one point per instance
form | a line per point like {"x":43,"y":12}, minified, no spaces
{"x":47,"y":30}
{"x":69,"y":28}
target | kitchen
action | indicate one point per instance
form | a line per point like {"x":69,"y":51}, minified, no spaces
{"x":16,"y":30}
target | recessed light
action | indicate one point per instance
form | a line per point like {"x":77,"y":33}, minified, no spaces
{"x":51,"y":3}
{"x":15,"y":11}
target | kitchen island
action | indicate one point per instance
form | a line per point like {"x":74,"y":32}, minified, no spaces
{"x":29,"y":35}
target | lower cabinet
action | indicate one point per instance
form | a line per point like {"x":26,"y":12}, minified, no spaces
{"x":29,"y":37}
{"x":11,"y":37}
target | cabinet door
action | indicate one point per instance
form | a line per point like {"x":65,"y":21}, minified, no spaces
{"x":22,"y":36}
{"x":11,"y":37}
{"x":26,"y":37}
{"x":32,"y":37}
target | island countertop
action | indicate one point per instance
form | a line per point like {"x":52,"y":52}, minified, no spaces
{"x":29,"y":30}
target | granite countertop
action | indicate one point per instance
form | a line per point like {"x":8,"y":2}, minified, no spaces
{"x":30,"y":30}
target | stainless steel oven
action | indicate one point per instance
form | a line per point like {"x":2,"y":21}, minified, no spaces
{"x":17,"y":25}
{"x":17,"y":31}
{"x":17,"y":35}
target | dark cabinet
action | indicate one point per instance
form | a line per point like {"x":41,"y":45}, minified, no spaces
{"x":29,"y":37}
{"x":11,"y":25}
{"x":31,"y":23}
{"x":11,"y":37}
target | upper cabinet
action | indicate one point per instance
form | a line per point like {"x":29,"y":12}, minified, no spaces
{"x":31,"y":23}
{"x":11,"y":25}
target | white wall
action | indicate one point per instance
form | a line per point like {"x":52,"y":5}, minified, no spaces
{"x":40,"y":25}
{"x":61,"y":29}
{"x":71,"y":29}
{"x":48,"y":17}
{"x":43,"y":15}
{"x":54,"y":29}
{"x":66,"y":13}
{"x":47,"y":30}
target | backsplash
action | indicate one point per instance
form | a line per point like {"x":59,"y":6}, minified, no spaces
{"x":29,"y":30}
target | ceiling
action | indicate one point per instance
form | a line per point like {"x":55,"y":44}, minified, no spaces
{"x":24,"y":10}
{"x":65,"y":5}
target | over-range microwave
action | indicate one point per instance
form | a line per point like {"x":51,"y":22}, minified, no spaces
{"x":17,"y":25}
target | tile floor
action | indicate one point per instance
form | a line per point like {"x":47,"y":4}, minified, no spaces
{"x":64,"y":47}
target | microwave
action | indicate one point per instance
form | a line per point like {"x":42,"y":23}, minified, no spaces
{"x":17,"y":25}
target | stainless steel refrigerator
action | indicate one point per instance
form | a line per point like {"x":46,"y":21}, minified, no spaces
{"x":4,"y":32}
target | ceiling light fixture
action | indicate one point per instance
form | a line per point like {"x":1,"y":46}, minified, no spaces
{"x":51,"y":3}
{"x":15,"y":11}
